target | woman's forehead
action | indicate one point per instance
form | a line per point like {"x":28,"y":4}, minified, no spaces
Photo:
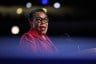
{"x":40,"y":14}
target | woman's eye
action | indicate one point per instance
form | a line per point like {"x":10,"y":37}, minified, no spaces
{"x":38,"y":19}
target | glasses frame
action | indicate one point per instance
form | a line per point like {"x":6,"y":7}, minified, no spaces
{"x":39,"y":19}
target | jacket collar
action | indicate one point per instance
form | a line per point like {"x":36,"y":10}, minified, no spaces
{"x":35,"y":33}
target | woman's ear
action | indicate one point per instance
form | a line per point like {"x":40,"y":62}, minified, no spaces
{"x":32,"y":24}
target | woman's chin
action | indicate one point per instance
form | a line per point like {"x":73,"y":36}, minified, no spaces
{"x":43,"y":32}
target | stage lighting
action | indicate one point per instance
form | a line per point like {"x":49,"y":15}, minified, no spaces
{"x":44,"y":2}
{"x":19,"y":11}
{"x":45,"y":9}
{"x":28,"y":5}
{"x":56,"y":5}
{"x":15,"y":30}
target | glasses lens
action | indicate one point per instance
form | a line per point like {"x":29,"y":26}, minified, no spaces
{"x":41,"y":19}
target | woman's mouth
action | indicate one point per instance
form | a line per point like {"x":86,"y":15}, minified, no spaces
{"x":42,"y":28}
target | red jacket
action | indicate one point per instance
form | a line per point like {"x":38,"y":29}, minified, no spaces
{"x":32,"y":42}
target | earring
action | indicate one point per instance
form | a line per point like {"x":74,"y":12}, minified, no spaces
{"x":33,"y":25}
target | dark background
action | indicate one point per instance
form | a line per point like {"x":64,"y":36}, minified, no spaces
{"x":80,"y":21}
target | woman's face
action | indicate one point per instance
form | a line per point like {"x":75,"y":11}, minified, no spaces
{"x":40,"y":22}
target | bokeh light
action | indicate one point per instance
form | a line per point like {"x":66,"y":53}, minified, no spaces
{"x":28,"y":5}
{"x":15,"y":30}
{"x":56,"y":5}
{"x":45,"y":9}
{"x":19,"y":11}
{"x":44,"y":2}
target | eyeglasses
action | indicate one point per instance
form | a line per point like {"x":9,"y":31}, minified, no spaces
{"x":44,"y":20}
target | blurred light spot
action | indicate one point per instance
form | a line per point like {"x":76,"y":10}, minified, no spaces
{"x":15,"y":30}
{"x":28,"y":5}
{"x":44,"y":2}
{"x":45,"y":9}
{"x":57,"y":5}
{"x":19,"y":11}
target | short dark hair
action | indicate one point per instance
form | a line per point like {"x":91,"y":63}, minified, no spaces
{"x":31,"y":14}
